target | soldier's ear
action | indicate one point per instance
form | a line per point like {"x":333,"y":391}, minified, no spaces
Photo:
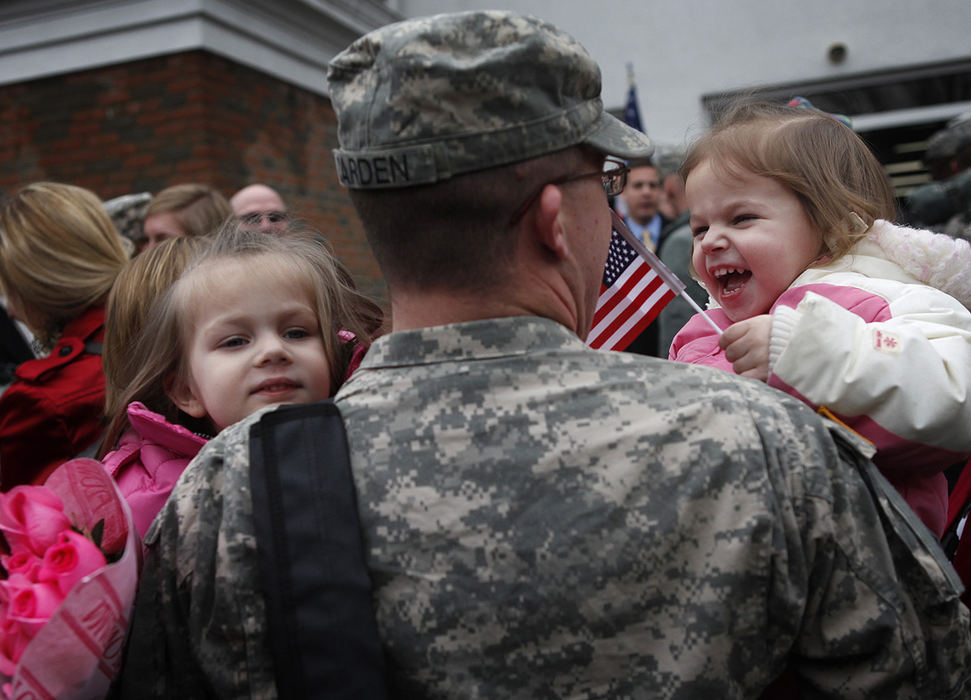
{"x":548,"y":224}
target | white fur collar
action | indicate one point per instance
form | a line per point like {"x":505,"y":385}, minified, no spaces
{"x":936,"y":259}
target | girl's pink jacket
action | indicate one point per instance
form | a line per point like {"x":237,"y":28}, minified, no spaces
{"x":150,"y":457}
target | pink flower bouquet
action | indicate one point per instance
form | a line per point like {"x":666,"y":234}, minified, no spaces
{"x":71,"y":572}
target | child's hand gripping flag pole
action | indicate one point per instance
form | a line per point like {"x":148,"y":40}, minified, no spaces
{"x":636,"y":286}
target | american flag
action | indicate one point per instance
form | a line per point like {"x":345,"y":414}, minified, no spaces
{"x":632,"y":294}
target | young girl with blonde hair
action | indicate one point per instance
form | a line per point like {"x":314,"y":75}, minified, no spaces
{"x":252,"y":321}
{"x":820,"y":295}
{"x":59,"y":256}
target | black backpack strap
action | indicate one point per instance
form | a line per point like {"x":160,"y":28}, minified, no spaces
{"x":315,"y":581}
{"x":959,"y":506}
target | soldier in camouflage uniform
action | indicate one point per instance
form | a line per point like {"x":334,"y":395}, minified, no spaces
{"x":542,"y":520}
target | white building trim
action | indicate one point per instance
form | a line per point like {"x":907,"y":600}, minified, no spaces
{"x":906,"y":117}
{"x":289,"y":39}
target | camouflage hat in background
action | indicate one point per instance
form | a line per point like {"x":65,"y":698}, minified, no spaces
{"x":424,"y":100}
{"x":128,"y":213}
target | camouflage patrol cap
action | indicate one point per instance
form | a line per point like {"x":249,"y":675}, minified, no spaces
{"x":427,"y":99}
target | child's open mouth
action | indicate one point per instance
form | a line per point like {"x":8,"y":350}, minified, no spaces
{"x":732,"y":280}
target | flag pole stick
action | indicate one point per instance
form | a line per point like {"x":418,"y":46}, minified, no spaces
{"x":687,"y":297}
{"x":662,"y":270}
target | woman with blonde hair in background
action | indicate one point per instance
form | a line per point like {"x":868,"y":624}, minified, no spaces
{"x":188,"y":209}
{"x":59,"y":256}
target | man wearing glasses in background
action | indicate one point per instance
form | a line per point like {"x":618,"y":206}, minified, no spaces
{"x":260,"y":206}
{"x":540,"y":519}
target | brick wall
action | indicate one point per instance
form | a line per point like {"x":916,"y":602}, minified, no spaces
{"x":188,"y":117}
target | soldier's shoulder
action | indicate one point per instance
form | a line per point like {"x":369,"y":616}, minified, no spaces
{"x":733,"y":393}
{"x":783,"y":423}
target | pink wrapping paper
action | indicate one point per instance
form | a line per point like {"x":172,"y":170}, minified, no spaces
{"x":78,"y":652}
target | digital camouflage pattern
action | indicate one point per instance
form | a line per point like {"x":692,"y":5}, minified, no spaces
{"x":127,"y":213}
{"x":543,"y":520}
{"x":199,"y":625}
{"x":424,"y":100}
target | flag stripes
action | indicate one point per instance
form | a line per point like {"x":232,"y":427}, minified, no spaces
{"x":627,"y":304}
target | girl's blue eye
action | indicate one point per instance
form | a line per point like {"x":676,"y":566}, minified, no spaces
{"x":233,"y":342}
{"x":295,"y":333}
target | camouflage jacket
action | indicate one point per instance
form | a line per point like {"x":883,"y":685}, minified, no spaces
{"x":547,"y":521}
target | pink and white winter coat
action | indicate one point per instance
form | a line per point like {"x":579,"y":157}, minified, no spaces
{"x":149,"y":458}
{"x":881,"y":338}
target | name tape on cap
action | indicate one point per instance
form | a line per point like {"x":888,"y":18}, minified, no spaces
{"x":398,"y":168}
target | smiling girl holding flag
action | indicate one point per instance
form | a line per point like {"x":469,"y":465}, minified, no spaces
{"x":822,"y":297}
